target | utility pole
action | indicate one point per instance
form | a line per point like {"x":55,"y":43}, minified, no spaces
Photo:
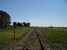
{"x":14,"y":26}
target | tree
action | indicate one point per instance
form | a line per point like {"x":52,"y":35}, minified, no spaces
{"x":28,"y":24}
{"x":4,"y":19}
{"x":14,"y":24}
{"x":24,"y":24}
{"x":19,"y":24}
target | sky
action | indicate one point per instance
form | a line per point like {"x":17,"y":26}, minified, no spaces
{"x":37,"y":12}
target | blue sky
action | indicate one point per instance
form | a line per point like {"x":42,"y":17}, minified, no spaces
{"x":38,"y":12}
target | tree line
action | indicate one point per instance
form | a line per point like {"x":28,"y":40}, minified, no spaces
{"x":5,"y":21}
{"x":24,"y":24}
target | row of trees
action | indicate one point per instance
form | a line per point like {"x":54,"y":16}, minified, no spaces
{"x":5,"y":20}
{"x":21,"y":24}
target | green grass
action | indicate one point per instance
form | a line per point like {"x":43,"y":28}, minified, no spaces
{"x":7,"y":35}
{"x":57,"y":37}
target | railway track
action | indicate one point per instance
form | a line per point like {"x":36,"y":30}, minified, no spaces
{"x":34,"y":42}
{"x":31,"y":41}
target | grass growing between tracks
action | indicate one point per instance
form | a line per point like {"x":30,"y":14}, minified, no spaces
{"x":57,"y":37}
{"x":7,"y":35}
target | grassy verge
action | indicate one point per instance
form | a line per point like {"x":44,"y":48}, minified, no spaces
{"x":57,"y":37}
{"x":7,"y":35}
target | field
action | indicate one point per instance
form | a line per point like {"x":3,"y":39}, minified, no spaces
{"x":56,"y":37}
{"x":7,"y":35}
